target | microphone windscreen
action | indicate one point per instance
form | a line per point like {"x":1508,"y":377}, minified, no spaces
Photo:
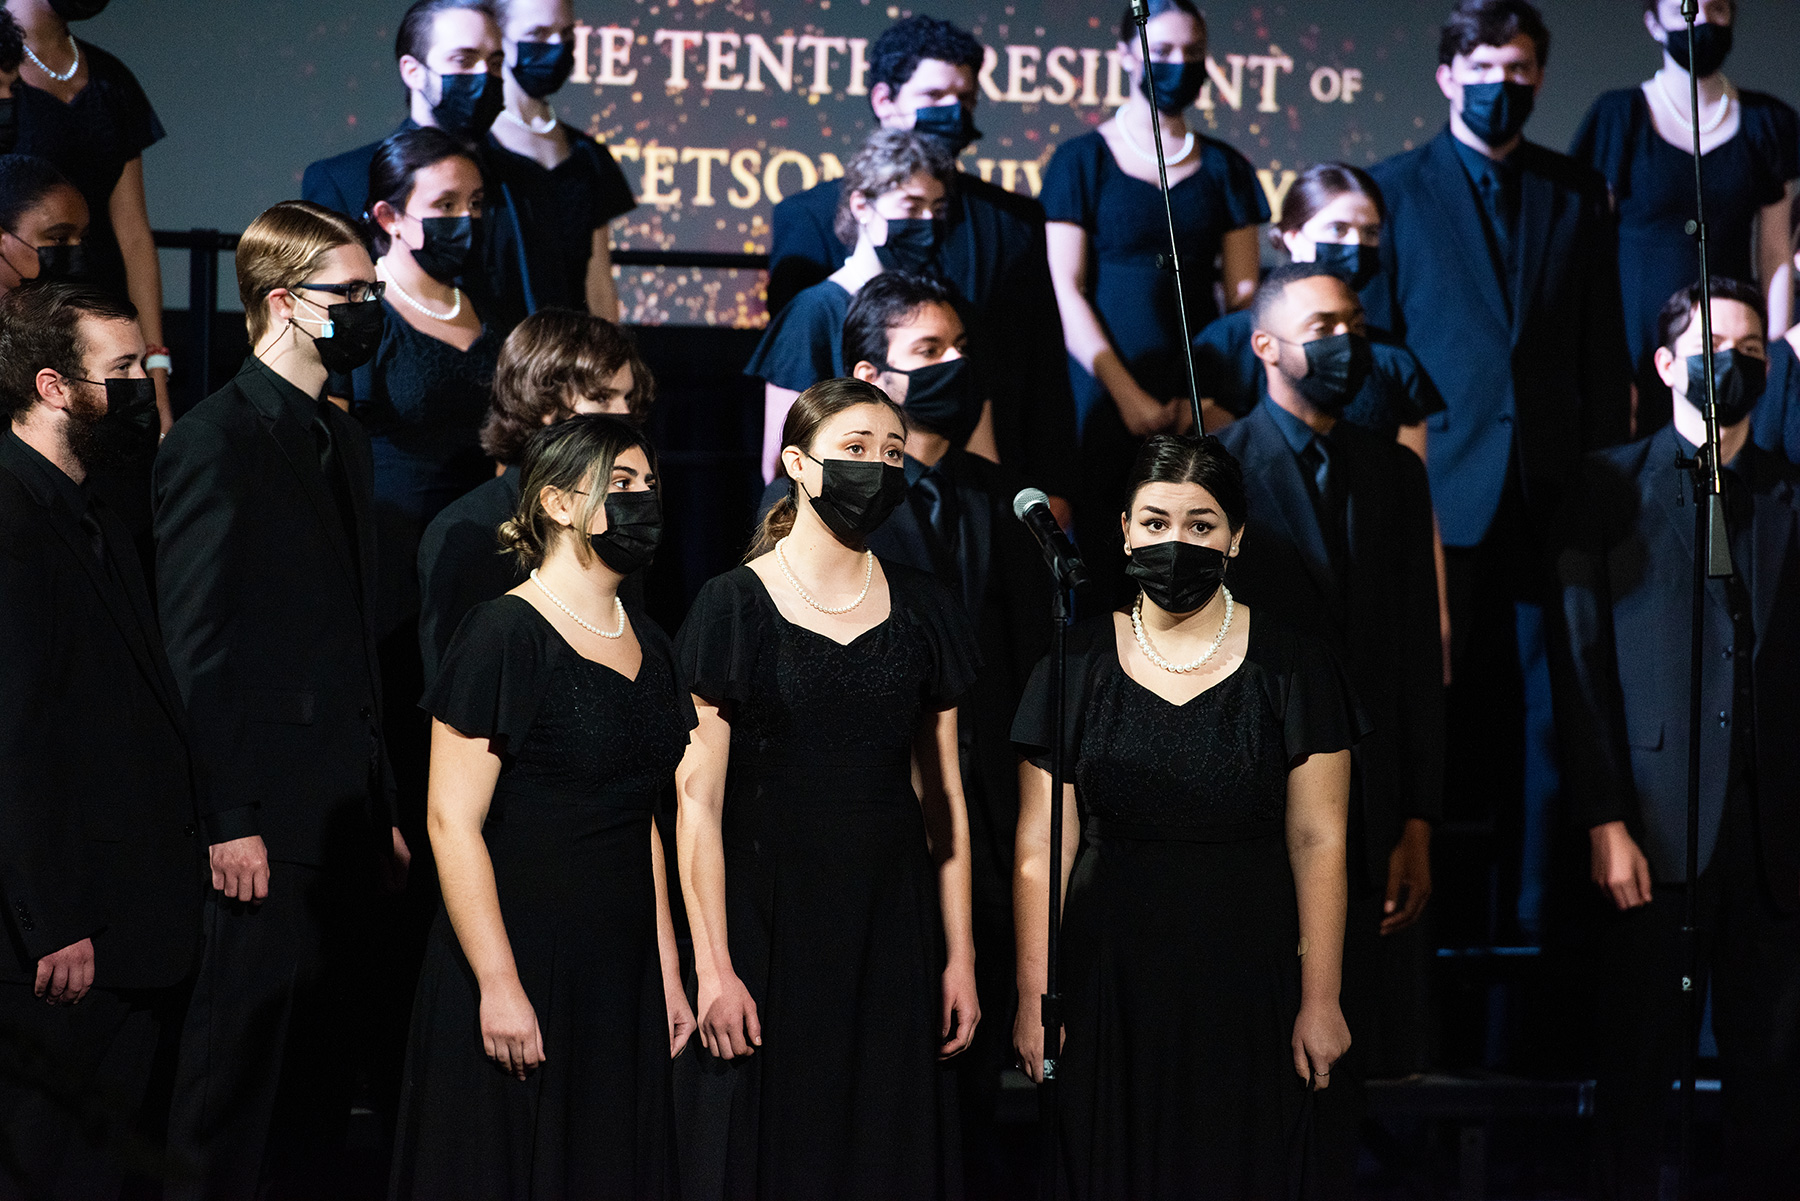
{"x":1028,"y":499}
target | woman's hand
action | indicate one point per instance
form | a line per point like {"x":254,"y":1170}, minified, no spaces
{"x":1144,"y":415}
{"x":1320,"y":1039}
{"x":681,"y":1017}
{"x":509,"y":1028}
{"x":962,"y":1009}
{"x":729,"y":1026}
{"x":1028,"y":1037}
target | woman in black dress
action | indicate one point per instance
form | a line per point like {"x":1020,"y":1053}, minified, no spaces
{"x":1642,"y":140}
{"x":1107,"y":231}
{"x":550,"y":1003}
{"x":1204,"y":865}
{"x":891,"y":210}
{"x":829,"y":900}
{"x":564,"y":186}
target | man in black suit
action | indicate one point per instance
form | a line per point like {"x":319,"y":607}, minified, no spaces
{"x":922,"y":76}
{"x":903,"y":335}
{"x":265,"y":571}
{"x":449,"y":56}
{"x":99,"y":866}
{"x":1626,"y":574}
{"x":1339,"y":544}
{"x":1498,"y":273}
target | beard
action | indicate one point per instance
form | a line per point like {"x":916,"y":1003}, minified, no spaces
{"x":87,"y":434}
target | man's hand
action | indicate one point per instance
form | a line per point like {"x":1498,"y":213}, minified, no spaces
{"x":1618,"y":866}
{"x":64,"y":977}
{"x":395,"y":868}
{"x":240,"y":868}
{"x":1409,"y":877}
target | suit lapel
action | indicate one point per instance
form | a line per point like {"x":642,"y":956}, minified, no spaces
{"x":1273,"y":459}
{"x":147,"y":644}
{"x":975,"y":551}
{"x":1671,"y":496}
{"x":1773,"y":528}
{"x":1537,"y":199}
{"x":1459,"y":223}
{"x":302,"y":455}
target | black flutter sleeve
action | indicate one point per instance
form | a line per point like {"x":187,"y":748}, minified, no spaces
{"x":495,"y":672}
{"x":1090,"y":643}
{"x":1319,"y":710}
{"x":656,"y":642}
{"x":715,"y":652}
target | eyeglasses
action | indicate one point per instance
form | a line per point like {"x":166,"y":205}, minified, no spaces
{"x":356,"y":291}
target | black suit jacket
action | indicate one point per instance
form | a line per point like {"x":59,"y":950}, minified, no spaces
{"x":1625,"y":565}
{"x":97,"y":836}
{"x":1382,"y":620}
{"x":1537,"y":372}
{"x":1007,"y":590}
{"x":268,"y":613}
{"x":993,"y":255}
{"x":502,"y":289}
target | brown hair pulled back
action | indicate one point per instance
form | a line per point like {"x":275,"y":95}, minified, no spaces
{"x":812,"y":409}
{"x":571,"y":456}
{"x":1318,"y":186}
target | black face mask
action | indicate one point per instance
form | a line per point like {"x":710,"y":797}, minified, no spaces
{"x":126,"y":433}
{"x":633,"y":528}
{"x":1173,"y":87}
{"x":1178,"y":577}
{"x":9,"y":125}
{"x":62,"y":262}
{"x":856,"y":496}
{"x":468,"y":104}
{"x":1336,"y":369}
{"x":943,"y":398}
{"x":1712,"y":43}
{"x":349,"y":335}
{"x":449,"y":245}
{"x":1738,"y":383}
{"x":543,"y":67}
{"x":77,"y":10}
{"x":1355,"y":265}
{"x":1496,"y":112}
{"x":911,"y":244}
{"x":951,"y":124}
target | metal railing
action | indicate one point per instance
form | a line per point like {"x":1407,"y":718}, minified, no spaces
{"x":204,"y":246}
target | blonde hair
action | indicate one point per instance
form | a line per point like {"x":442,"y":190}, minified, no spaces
{"x":280,"y":249}
{"x":811,"y":410}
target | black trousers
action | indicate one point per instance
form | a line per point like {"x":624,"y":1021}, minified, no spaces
{"x":1750,"y":954}
{"x":74,"y":1084}
{"x":273,"y":1038}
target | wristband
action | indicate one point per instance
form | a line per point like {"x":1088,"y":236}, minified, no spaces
{"x":158,"y":359}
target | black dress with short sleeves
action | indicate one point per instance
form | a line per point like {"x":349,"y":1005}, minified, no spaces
{"x":1179,"y":972}
{"x":558,"y":209}
{"x":805,"y":340}
{"x":831,"y":896}
{"x":585,"y":754}
{"x":1652,"y":184}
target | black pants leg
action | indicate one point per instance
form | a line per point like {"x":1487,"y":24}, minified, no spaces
{"x":73,"y":1080}
{"x":263,"y":1089}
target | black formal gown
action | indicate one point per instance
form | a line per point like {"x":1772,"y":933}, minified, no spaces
{"x":831,"y":899}
{"x":585,"y":752}
{"x":1179,"y":970}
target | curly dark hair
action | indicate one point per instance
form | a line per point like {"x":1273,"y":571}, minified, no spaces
{"x":12,"y":43}
{"x":40,"y":326}
{"x":896,"y":53}
{"x":549,"y":356}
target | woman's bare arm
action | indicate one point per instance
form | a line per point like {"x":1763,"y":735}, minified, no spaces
{"x":1031,"y":904}
{"x":947,"y":827}
{"x":1318,"y":815}
{"x":130,"y":214}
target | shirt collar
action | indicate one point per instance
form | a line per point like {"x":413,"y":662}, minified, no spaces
{"x":48,"y":482}
{"x":1739,"y":466}
{"x":916,"y":471}
{"x":1296,"y":432}
{"x":1478,"y":164}
{"x":295,"y":402}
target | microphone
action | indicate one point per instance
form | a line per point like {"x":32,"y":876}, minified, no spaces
{"x":1032,"y":507}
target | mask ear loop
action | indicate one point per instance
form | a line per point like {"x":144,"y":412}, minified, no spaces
{"x":327,"y":327}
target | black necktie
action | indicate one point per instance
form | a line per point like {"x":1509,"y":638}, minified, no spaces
{"x":1327,"y":503}
{"x":1499,"y":208}
{"x":331,"y":467}
{"x":939,"y":497}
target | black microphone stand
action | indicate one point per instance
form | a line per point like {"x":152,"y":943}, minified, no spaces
{"x":1140,"y":14}
{"x":1712,"y":559}
{"x":1052,"y":998}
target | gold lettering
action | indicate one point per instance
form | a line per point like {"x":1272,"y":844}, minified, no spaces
{"x":744,"y":166}
{"x":771,"y":177}
{"x":1065,"y":83}
{"x":704,"y":160}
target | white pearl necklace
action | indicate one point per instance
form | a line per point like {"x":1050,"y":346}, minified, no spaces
{"x":1707,"y":124}
{"x":1137,"y":627}
{"x":394,"y":287}
{"x":548,"y":127}
{"x":59,"y":77}
{"x":788,"y":571}
{"x":1149,"y":156}
{"x":618,"y":607}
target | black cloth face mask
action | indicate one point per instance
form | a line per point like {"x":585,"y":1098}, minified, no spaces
{"x":943,"y":398}
{"x":62,"y":262}
{"x":1496,"y":112}
{"x":857,"y":495}
{"x":126,"y":433}
{"x":449,"y":245}
{"x":951,"y":124}
{"x":1173,"y":87}
{"x":468,"y":104}
{"x":349,"y":335}
{"x":633,"y":528}
{"x":77,"y":10}
{"x":1178,"y":577}
{"x":1712,"y":44}
{"x":543,"y":67}
{"x":1738,"y":383}
{"x":1355,"y":265}
{"x":1336,"y":369}
{"x":911,"y":244}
